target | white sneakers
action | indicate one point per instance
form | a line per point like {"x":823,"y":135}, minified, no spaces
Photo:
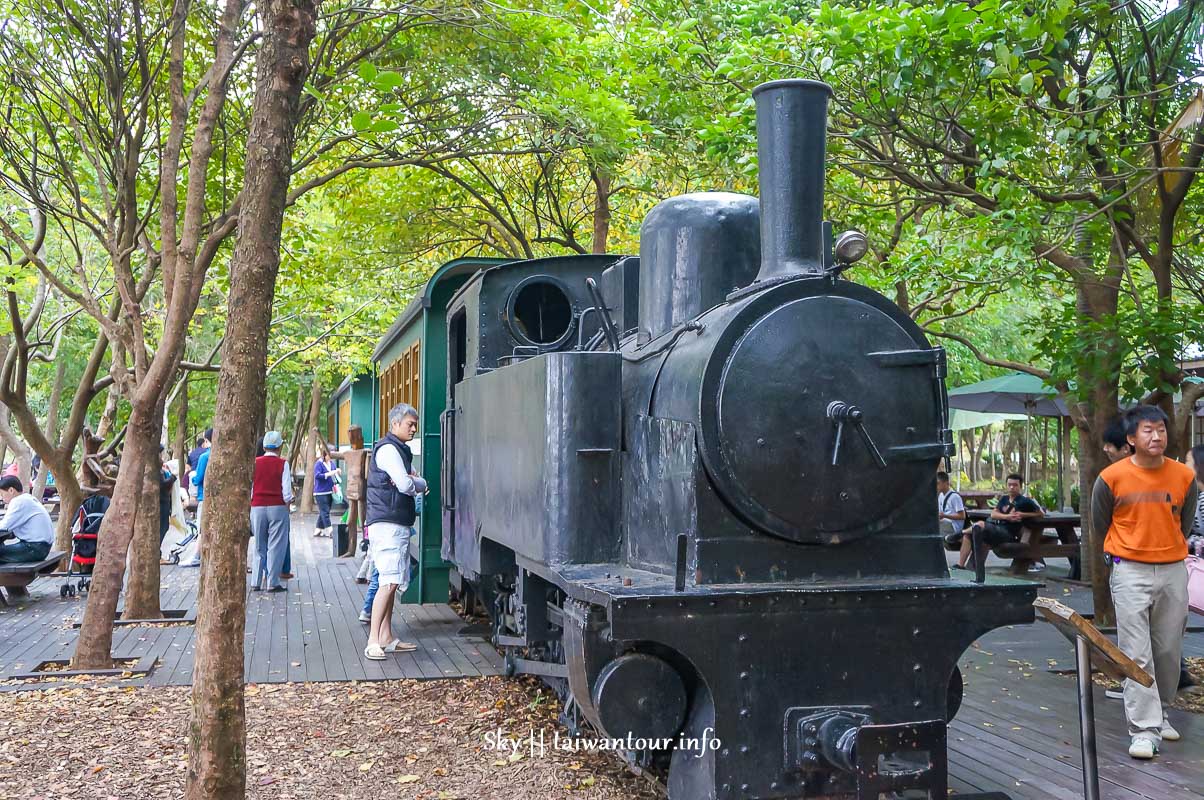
{"x":1142,"y":746}
{"x":365,"y":617}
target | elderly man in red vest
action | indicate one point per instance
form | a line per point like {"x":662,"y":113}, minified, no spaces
{"x":271,"y":492}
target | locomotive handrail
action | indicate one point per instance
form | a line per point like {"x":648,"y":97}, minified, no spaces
{"x":581,"y":343}
{"x":608,"y":324}
{"x":692,"y":325}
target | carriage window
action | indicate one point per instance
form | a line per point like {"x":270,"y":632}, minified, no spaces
{"x":539,"y":312}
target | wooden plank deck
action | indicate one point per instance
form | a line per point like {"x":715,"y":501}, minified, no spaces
{"x":1017,"y":731}
{"x":310,"y":633}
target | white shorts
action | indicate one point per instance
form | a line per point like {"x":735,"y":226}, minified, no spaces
{"x":389,"y":549}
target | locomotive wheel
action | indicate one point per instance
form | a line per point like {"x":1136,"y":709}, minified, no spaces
{"x":640,"y":695}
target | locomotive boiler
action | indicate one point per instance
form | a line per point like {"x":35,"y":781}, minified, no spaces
{"x":695,"y":492}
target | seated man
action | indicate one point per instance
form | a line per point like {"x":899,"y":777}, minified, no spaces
{"x":25,"y":522}
{"x":950,"y":509}
{"x":1006,"y":520}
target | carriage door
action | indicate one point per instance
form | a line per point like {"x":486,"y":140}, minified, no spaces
{"x":457,"y":357}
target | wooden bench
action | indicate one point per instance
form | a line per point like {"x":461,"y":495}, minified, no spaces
{"x":1025,"y":554}
{"x":1036,"y":543}
{"x":15,"y":577}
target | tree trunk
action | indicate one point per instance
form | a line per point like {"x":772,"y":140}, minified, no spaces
{"x":276,"y":418}
{"x":70,"y":498}
{"x":1064,"y":460}
{"x":294,"y":442}
{"x":976,"y":464}
{"x":142,"y":586}
{"x":217,"y":768}
{"x":52,"y":424}
{"x":1092,"y":461}
{"x":181,"y":446}
{"x":117,"y":531}
{"x":109,"y":416}
{"x":1045,"y":448}
{"x":601,"y":233}
{"x":1025,"y":439}
{"x":311,"y":448}
{"x":1098,"y":384}
{"x":21,"y":451}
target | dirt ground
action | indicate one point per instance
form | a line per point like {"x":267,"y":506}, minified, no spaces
{"x":434,"y":740}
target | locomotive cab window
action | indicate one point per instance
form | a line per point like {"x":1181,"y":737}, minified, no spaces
{"x":540,"y":313}
{"x":457,"y":351}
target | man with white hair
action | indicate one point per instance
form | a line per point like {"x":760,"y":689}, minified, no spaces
{"x":391,"y":511}
{"x":271,"y":492}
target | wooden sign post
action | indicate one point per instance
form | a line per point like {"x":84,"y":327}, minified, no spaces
{"x":1087,"y":640}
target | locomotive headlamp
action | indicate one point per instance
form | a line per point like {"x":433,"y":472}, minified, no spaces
{"x":851,"y":246}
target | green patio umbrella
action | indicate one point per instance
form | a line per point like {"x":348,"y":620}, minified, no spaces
{"x":960,"y":420}
{"x":1018,"y":393}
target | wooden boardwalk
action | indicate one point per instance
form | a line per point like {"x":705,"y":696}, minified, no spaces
{"x":1017,"y":731}
{"x":310,"y":633}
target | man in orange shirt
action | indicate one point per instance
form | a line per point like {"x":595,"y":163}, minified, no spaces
{"x":1144,"y":504}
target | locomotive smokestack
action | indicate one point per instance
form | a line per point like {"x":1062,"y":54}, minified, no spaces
{"x":792,"y":121}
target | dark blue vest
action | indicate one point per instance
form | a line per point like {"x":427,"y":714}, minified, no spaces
{"x":384,"y":502}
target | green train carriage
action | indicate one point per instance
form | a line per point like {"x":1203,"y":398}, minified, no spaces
{"x":409,"y":365}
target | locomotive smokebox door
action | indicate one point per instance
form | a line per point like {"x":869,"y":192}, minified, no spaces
{"x":808,"y":432}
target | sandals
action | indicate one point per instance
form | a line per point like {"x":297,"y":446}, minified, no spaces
{"x":375,"y":652}
{"x":398,"y":646}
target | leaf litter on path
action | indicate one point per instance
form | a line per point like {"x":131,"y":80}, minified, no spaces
{"x":411,"y":740}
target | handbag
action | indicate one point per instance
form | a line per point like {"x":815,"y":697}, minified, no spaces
{"x":1195,"y":584}
{"x":336,"y":494}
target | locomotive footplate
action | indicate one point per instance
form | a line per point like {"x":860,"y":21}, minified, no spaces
{"x":773,"y":672}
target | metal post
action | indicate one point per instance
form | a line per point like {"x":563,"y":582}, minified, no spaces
{"x":979,"y":553}
{"x":1028,"y":441}
{"x":1082,"y":654}
{"x":1061,"y":468}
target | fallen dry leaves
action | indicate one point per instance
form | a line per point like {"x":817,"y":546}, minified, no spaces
{"x":1186,"y":701}
{"x":412,"y":740}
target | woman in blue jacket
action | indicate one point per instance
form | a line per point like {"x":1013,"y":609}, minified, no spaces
{"x":325,"y":476}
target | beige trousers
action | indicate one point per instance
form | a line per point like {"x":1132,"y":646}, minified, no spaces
{"x":1151,"y":613}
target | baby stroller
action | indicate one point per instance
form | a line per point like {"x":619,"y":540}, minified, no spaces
{"x":179,"y":547}
{"x":83,"y":544}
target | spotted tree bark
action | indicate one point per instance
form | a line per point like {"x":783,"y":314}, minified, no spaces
{"x":217,"y":732}
{"x":186,"y":254}
{"x":142,"y":590}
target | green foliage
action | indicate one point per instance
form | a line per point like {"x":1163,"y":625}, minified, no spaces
{"x":982,"y":147}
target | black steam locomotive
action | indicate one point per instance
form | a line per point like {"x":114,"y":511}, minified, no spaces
{"x":695,"y":493}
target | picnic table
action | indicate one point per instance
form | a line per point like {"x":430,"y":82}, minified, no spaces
{"x":979,"y":498}
{"x":1034,"y":544}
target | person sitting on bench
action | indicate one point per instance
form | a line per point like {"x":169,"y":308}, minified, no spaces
{"x":25,"y":522}
{"x":1006,"y":520}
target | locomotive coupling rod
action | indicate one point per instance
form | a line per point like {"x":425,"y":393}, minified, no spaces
{"x":840,"y":413}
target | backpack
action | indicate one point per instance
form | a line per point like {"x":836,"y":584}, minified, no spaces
{"x":953,"y":539}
